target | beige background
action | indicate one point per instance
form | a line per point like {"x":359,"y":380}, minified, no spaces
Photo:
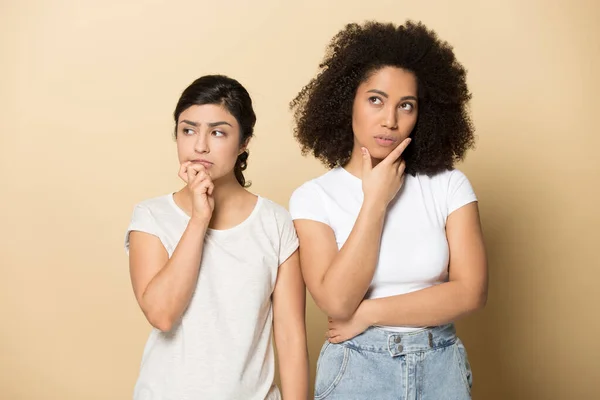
{"x":87,"y":93}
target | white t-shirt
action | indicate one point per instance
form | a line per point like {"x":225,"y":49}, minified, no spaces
{"x":222,"y":347}
{"x":414,"y":250}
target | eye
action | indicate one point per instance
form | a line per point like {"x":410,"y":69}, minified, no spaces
{"x":375,"y":100}
{"x":407,"y":106}
{"x":218,"y":133}
{"x":188,"y":131}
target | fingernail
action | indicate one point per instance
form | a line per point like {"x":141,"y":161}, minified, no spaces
{"x":364,"y":151}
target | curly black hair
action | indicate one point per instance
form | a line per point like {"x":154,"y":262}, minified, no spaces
{"x":323,"y":108}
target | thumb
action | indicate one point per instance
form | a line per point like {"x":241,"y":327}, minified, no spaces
{"x":367,"y":165}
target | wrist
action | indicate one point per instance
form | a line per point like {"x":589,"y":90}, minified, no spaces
{"x":374,"y":206}
{"x":198,"y":222}
{"x":368,"y":313}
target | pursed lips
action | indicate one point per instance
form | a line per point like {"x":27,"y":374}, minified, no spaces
{"x":206,"y":163}
{"x":385,"y":140}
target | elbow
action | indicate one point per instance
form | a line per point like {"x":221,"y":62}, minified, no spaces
{"x":478,"y":301}
{"x":163,"y":325}
{"x":335,"y":305}
{"x":340,"y":315}
{"x":158,"y":315}
{"x":482,"y":300}
{"x":161,"y":321}
{"x":339,"y":310}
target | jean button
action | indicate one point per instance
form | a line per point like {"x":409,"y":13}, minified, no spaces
{"x":398,"y":339}
{"x":400,"y":348}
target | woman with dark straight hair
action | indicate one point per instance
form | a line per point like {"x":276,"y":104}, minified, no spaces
{"x":214,"y":267}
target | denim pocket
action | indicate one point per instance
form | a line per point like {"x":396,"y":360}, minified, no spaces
{"x":463,"y":363}
{"x":330,"y":368}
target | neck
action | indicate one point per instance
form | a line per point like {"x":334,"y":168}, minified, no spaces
{"x":227,"y":190}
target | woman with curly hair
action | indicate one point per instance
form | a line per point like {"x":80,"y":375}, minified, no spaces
{"x":391,"y":247}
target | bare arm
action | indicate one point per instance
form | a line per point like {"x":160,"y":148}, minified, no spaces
{"x":163,"y":287}
{"x":338,"y":281}
{"x":465,"y":292}
{"x":290,"y":330}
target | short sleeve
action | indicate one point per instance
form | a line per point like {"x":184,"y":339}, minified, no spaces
{"x":288,"y":240}
{"x":307,"y":203}
{"x":460,"y":191}
{"x":142,"y":220}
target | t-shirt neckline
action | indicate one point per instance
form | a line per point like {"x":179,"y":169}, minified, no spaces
{"x":220,"y":232}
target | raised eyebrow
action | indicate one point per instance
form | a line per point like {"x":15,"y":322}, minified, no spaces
{"x":210,"y":124}
{"x":218,"y":123}
{"x":186,"y":121}
{"x":408,"y":98}
{"x":384,"y":94}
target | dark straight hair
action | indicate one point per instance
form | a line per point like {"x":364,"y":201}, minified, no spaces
{"x":229,"y":93}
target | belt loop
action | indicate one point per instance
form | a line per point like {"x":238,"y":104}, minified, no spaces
{"x":430,"y":339}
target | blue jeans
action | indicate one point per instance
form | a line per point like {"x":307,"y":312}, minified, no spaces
{"x":428,"y":364}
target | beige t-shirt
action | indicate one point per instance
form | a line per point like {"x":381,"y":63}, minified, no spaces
{"x":222,"y":347}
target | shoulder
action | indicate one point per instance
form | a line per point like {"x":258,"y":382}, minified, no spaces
{"x":147,"y":217}
{"x":276,"y":220}
{"x":271,"y":208}
{"x":451,"y":188}
{"x":160,"y":210}
{"x":318,"y":185}
{"x":274,"y":215}
{"x":153,"y":206}
{"x":443,"y":176}
{"x":443,"y":180}
{"x":155,"y":202}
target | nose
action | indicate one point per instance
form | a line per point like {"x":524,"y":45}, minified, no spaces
{"x":390,"y":119}
{"x":202,"y":143}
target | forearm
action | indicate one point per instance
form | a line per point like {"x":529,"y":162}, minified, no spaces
{"x":168,"y":294}
{"x":433,"y":306}
{"x":348,"y":278}
{"x":293,"y":365}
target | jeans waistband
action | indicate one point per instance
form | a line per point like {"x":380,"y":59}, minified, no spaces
{"x":379,"y":340}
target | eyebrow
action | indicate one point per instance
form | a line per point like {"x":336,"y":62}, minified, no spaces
{"x":384,"y":94}
{"x":210,"y":124}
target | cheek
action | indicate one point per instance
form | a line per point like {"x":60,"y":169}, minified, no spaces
{"x":181,"y":150}
{"x":409,"y":122}
{"x":361,"y":120}
{"x":228,"y":154}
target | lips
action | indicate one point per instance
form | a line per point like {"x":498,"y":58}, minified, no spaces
{"x":206,"y":163}
{"x":385,"y":141}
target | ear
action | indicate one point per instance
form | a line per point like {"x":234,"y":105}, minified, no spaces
{"x":244,"y":146}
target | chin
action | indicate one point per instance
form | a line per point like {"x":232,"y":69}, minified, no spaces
{"x":380,"y":153}
{"x":214,"y":175}
{"x":219,"y":175}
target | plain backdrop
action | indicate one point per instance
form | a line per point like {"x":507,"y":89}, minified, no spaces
{"x":87,"y":91}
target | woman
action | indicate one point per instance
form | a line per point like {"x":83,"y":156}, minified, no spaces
{"x":215,"y":267}
{"x":391,"y":247}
